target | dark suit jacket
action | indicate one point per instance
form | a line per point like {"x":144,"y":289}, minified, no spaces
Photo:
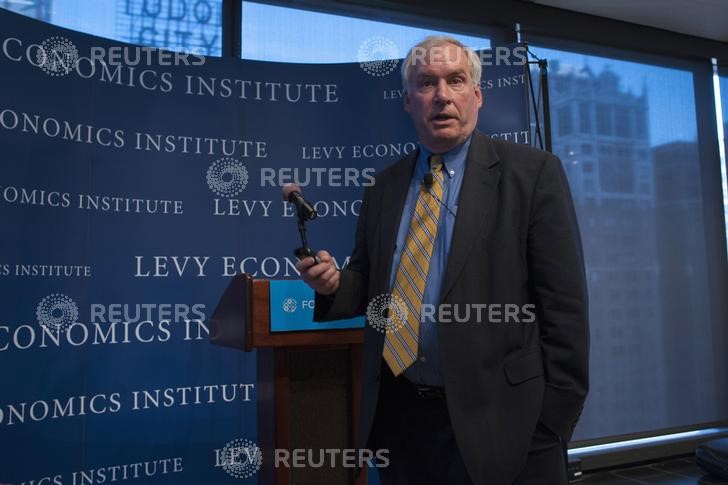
{"x":515,"y":241}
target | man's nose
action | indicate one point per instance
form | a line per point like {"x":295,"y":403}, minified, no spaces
{"x":443,"y":94}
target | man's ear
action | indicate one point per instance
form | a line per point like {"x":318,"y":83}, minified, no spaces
{"x":406,"y":102}
{"x":479,"y":96}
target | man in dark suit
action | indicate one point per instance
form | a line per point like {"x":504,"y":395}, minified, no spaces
{"x":490,"y":389}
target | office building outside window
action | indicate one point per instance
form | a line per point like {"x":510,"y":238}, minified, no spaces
{"x":639,"y":203}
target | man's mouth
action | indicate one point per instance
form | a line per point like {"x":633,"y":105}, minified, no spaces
{"x":442,"y":117}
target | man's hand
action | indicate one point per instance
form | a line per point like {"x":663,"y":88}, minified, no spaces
{"x":322,"y":277}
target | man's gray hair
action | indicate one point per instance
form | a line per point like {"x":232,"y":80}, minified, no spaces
{"x":419,"y":52}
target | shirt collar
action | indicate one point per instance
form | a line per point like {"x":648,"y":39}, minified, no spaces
{"x":453,"y":160}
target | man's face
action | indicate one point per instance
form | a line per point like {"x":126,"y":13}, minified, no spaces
{"x":442,"y":99}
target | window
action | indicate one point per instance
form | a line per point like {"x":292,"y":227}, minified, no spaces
{"x":585,"y":118}
{"x":604,"y":119}
{"x":624,"y":151}
{"x":621,"y":121}
{"x":272,"y":33}
{"x":564,"y":121}
{"x":606,"y":151}
{"x":642,"y":226}
{"x":177,"y":25}
{"x":616,"y":175}
{"x":38,"y":9}
{"x":640,"y":124}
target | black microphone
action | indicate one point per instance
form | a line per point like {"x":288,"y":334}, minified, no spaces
{"x":292,"y":193}
{"x":428,"y":181}
{"x":306,"y":212}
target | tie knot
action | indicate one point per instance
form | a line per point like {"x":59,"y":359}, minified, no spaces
{"x":435,"y":163}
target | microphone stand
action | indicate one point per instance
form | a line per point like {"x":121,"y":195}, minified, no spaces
{"x":304,"y":251}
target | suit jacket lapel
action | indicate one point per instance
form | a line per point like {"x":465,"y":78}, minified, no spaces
{"x":393,"y":198}
{"x":480,"y":184}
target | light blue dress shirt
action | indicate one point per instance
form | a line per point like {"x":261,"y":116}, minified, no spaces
{"x":426,"y":369}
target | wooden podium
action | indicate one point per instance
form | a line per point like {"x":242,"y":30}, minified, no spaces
{"x":308,"y":382}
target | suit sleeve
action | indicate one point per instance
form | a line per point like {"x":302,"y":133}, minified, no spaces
{"x":350,"y":299}
{"x":557,"y":274}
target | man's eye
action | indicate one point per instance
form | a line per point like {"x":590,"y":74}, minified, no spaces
{"x":457,"y":80}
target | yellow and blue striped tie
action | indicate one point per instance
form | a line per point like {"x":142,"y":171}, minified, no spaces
{"x":400,"y":346}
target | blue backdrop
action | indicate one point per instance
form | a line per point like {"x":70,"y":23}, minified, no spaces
{"x":131,"y":192}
